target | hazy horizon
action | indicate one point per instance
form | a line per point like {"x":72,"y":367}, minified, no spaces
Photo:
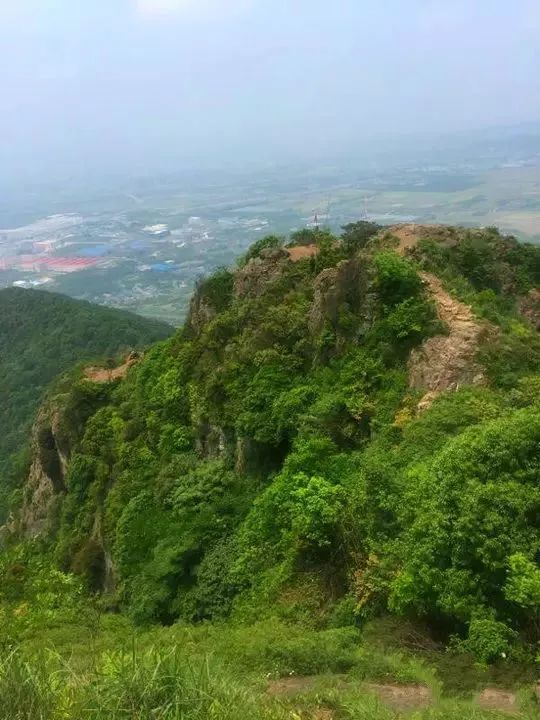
{"x":131,"y":84}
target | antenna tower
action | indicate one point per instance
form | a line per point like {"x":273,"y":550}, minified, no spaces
{"x":364,"y":213}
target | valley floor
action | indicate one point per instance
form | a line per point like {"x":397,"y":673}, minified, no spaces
{"x":103,"y":668}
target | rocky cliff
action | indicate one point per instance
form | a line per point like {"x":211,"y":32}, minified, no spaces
{"x":45,"y":485}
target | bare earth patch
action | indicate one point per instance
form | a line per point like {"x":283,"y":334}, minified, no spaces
{"x":299,"y":684}
{"x":402,"y":698}
{"x":300,"y":252}
{"x":500,"y":700}
{"x":105,"y":375}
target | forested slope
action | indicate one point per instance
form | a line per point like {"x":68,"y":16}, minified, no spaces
{"x":300,"y":448}
{"x":43,"y":334}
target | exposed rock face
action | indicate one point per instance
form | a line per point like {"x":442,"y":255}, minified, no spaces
{"x":248,"y":456}
{"x":348,"y":283}
{"x":260,"y":272}
{"x":200,"y":312}
{"x":529,"y":307}
{"x":45,"y":490}
{"x":45,"y":485}
{"x":445,"y":362}
{"x":107,"y":580}
{"x":215,"y":442}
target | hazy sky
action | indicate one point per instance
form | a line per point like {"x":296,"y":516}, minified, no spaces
{"x":111,"y":83}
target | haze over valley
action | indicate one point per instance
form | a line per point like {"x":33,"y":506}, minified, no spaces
{"x":141,"y":243}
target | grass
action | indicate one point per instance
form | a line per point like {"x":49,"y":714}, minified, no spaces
{"x":215,"y":672}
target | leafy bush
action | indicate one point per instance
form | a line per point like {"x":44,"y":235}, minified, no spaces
{"x":468,"y":512}
{"x":356,"y":235}
{"x":397,"y":279}
{"x":269,"y":241}
{"x":487,"y":640}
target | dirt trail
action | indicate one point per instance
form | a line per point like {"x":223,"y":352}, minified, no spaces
{"x":105,"y":375}
{"x":445,"y":362}
{"x":409,"y":234}
{"x":299,"y":684}
{"x":499,"y":700}
{"x":398,"y":697}
{"x":402,"y":698}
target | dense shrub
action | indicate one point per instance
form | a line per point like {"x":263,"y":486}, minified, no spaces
{"x":469,"y":510}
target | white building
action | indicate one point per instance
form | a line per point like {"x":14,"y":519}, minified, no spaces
{"x":159,"y":230}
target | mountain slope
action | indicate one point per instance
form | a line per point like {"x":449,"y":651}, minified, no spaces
{"x":274,"y":457}
{"x":43,"y":334}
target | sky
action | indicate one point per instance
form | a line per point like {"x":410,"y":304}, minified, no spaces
{"x":105,"y":85}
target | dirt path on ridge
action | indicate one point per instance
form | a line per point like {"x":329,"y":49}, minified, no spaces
{"x":445,"y":362}
{"x":408,"y":235}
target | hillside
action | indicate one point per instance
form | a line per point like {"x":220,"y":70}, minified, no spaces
{"x":44,"y":334}
{"x":345,"y":432}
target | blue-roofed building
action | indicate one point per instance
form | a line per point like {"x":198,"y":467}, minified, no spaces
{"x":163,"y":267}
{"x":94,"y":251}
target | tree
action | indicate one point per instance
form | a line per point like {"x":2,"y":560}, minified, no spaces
{"x":355,"y":236}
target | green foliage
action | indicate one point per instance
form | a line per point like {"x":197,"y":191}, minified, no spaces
{"x":266,"y":671}
{"x":487,"y":639}
{"x":161,"y":542}
{"x":33,"y":593}
{"x":150,"y":683}
{"x":316,"y":506}
{"x":268,"y":241}
{"x":484,"y":258}
{"x":397,"y":279}
{"x":523,"y":582}
{"x":469,"y":510}
{"x":295,"y":511}
{"x":512,"y":354}
{"x":89,"y":563}
{"x":217,"y":289}
{"x":307,"y":236}
{"x":356,"y":235}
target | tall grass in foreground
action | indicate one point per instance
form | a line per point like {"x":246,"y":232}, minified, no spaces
{"x":30,"y":689}
{"x":157,"y":684}
{"x":153,"y":685}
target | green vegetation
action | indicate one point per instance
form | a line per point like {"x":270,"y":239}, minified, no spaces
{"x":103,"y":669}
{"x":42,"y":335}
{"x":268,"y":486}
{"x":356,"y":235}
